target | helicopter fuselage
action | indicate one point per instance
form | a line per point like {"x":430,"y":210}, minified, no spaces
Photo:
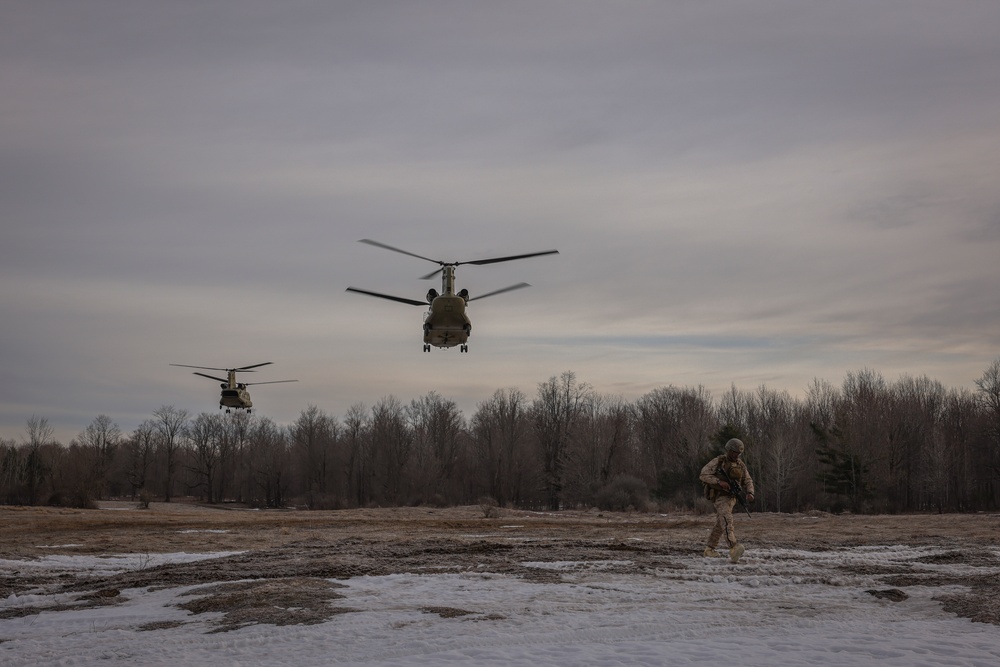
{"x":235,"y":397}
{"x":445,"y":322}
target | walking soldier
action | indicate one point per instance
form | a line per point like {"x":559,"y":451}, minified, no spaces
{"x":726,"y":480}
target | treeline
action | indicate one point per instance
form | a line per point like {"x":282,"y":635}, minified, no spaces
{"x":866,"y":446}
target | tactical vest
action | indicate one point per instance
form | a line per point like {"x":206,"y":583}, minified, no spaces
{"x":735,"y":470}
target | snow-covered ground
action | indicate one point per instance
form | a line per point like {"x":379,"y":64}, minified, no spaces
{"x":777,"y":607}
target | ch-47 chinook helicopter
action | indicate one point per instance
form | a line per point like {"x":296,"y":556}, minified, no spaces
{"x":445,"y":322}
{"x":234,"y":394}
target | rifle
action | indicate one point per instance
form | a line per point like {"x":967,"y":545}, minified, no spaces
{"x":735,"y":488}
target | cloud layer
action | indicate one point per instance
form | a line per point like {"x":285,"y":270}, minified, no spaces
{"x":743,"y":194}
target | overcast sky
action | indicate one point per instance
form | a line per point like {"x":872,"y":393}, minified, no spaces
{"x":741,"y":193}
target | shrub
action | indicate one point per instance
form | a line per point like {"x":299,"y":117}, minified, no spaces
{"x":622,"y":493}
{"x":703,"y":506}
{"x":489,"y":506}
{"x":327,"y":501}
{"x":77,"y":500}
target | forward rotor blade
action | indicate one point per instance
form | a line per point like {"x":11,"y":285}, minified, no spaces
{"x":244,"y":368}
{"x":204,"y":368}
{"x":432,"y":274}
{"x":271,"y":382}
{"x":212,"y":368}
{"x":405,"y":252}
{"x":501,"y":291}
{"x":400,"y":299}
{"x":512,"y":257}
{"x":212,"y":377}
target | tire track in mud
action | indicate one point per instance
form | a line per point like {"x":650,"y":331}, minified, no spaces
{"x":345,"y":559}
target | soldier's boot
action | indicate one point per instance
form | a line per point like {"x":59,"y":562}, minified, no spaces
{"x":709,"y":552}
{"x":735,"y":552}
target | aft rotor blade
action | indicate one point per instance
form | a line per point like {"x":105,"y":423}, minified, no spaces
{"x":400,"y":299}
{"x":210,"y":377}
{"x":501,"y":291}
{"x":432,"y":274}
{"x":512,"y":257}
{"x":405,"y":252}
{"x":244,"y":368}
{"x":271,"y":382}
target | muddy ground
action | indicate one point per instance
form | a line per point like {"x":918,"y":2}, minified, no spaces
{"x":299,"y":555}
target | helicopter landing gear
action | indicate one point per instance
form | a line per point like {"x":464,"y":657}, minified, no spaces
{"x":427,"y":348}
{"x":464,"y":348}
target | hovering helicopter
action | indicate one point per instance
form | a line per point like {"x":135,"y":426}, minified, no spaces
{"x":234,"y":394}
{"x":445,"y":322}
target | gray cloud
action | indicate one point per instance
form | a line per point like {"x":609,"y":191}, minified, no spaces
{"x":740,"y":193}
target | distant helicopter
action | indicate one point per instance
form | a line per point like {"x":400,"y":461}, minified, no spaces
{"x":445,"y":322}
{"x":234,"y":394}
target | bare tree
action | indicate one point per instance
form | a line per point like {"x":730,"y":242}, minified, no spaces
{"x":960,"y":420}
{"x":140,"y":449}
{"x":205,"y":435}
{"x":357,"y":467}
{"x":170,"y":423}
{"x":555,"y":412}
{"x":674,"y":427}
{"x":989,"y":394}
{"x":936,"y":471}
{"x":500,"y":429}
{"x":269,"y":464}
{"x":821,"y":404}
{"x":392,"y":446}
{"x":38,"y":434}
{"x":657,"y":426}
{"x":776,"y":444}
{"x":101,"y":440}
{"x":989,"y":398}
{"x":602,"y":447}
{"x":437,"y":426}
{"x":735,"y":407}
{"x":234,"y":477}
{"x":915,"y":442}
{"x":314,"y":435}
{"x":10,"y":471}
{"x":857,"y":447}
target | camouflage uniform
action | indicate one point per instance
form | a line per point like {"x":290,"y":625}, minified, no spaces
{"x":723,"y":501}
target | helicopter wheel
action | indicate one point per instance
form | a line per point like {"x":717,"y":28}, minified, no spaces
{"x":427,"y":348}
{"x":464,"y":348}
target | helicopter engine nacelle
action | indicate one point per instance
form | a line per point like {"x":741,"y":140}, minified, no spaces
{"x":224,"y":385}
{"x":464,"y":293}
{"x":431,"y":295}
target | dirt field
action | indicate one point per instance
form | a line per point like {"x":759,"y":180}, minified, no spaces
{"x":296,"y":553}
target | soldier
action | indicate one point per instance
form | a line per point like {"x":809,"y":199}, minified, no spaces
{"x":719,"y":492}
